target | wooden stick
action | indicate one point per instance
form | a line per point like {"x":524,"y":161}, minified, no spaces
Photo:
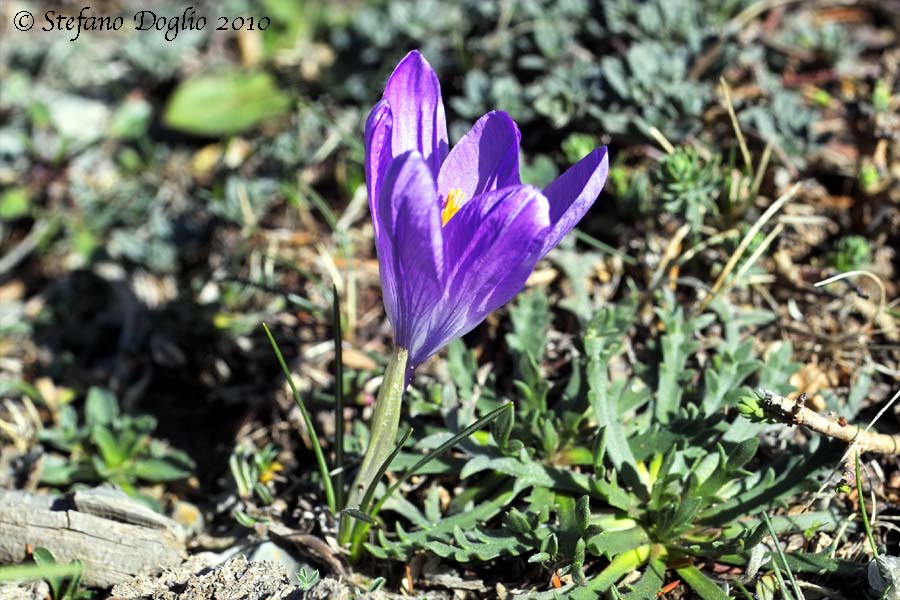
{"x":794,"y":412}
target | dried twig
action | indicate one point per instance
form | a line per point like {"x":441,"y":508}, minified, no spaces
{"x":794,"y":412}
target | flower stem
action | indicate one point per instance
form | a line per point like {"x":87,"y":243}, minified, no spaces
{"x":383,"y":436}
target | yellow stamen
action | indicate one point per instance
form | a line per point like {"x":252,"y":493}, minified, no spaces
{"x":269,"y":472}
{"x":452,"y":203}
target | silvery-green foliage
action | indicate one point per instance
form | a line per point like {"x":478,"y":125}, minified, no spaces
{"x":689,"y":185}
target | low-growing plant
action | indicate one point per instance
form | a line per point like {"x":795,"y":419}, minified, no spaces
{"x":647,"y":470}
{"x":307,"y":578}
{"x":253,"y":471}
{"x":107,"y":446}
{"x":63,"y":579}
{"x":690,"y":185}
{"x":852,"y":253}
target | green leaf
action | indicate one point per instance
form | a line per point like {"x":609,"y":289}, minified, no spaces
{"x":650,"y":582}
{"x":676,"y":519}
{"x":244,"y":519}
{"x":14,"y":203}
{"x":131,"y":119}
{"x":517,"y":522}
{"x":677,"y":345}
{"x":620,"y":566}
{"x":578,"y":563}
{"x":795,"y":472}
{"x":39,"y":571}
{"x":603,"y":341}
{"x":502,"y":427}
{"x":530,"y":317}
{"x":225,"y":103}
{"x":100,"y":408}
{"x":551,"y":545}
{"x":307,"y":419}
{"x":443,"y":537}
{"x":158,"y":470}
{"x":57,"y":471}
{"x":583,"y":513}
{"x":359,"y":515}
{"x":612,"y":543}
{"x":742,"y":454}
{"x":44,"y":558}
{"x":700,"y":583}
{"x":110,"y":449}
{"x":537,"y":474}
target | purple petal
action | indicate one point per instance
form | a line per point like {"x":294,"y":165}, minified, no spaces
{"x":491,"y":245}
{"x":410,"y":249}
{"x":573,"y":193}
{"x":485,"y":159}
{"x":378,"y":152}
{"x":414,"y":95}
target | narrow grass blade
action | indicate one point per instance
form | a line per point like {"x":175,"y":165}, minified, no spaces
{"x":782,"y":587}
{"x":479,"y":424}
{"x":862,"y":509}
{"x":359,"y":515}
{"x":307,"y":419}
{"x":743,"y":589}
{"x":360,"y":530}
{"x":784,"y":562}
{"x":370,"y":491}
{"x":338,"y":399}
{"x":604,"y":247}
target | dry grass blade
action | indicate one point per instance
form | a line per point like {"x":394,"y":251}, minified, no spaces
{"x":745,"y":243}
{"x":661,"y":140}
{"x":729,"y":105}
{"x":882,"y":298}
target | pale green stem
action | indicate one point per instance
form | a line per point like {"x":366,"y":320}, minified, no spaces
{"x":383,"y":432}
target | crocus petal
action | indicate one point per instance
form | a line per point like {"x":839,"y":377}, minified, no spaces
{"x":414,"y":95}
{"x":410,"y":249}
{"x":485,"y":159}
{"x":491,"y":246}
{"x":573,"y":193}
{"x":378,"y":152}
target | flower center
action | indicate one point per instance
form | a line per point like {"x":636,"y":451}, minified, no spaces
{"x":452,"y":203}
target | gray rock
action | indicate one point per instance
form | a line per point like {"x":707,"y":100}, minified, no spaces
{"x":36,"y":590}
{"x":197,"y":579}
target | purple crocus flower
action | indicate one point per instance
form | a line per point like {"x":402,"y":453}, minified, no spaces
{"x":457,"y":233}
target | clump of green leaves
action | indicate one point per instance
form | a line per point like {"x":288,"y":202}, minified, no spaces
{"x":852,"y":253}
{"x":307,"y":578}
{"x":107,"y":446}
{"x":62,"y":588}
{"x":690,"y":185}
{"x":781,"y":115}
{"x":613,"y":470}
{"x":650,"y":88}
{"x":253,"y":471}
{"x":63,"y":579}
{"x":621,"y":69}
